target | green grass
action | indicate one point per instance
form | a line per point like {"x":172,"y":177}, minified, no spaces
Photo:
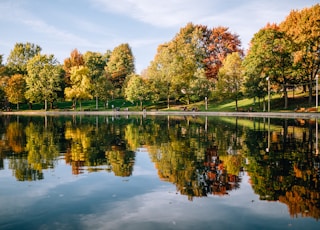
{"x":276,"y":105}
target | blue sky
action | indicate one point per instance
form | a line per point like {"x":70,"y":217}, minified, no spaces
{"x":59,"y":26}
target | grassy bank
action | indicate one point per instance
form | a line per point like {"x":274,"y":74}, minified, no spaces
{"x":276,"y":105}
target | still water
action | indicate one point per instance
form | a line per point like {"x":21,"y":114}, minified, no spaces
{"x":163,"y":172}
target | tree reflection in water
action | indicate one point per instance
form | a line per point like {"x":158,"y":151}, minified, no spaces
{"x":201,"y":156}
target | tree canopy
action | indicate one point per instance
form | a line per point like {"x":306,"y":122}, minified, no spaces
{"x":44,"y":79}
{"x":303,"y":28}
{"x":120,"y":65}
{"x":81,"y":85}
{"x":269,"y":56}
{"x":136,"y":89}
{"x":20,"y":55}
{"x":15,"y":89}
{"x":75,"y":59}
{"x":178,"y":63}
{"x":218,"y":43}
{"x":230,"y":78}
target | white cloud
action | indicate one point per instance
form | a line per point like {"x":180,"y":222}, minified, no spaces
{"x":49,"y":30}
{"x":166,"y":209}
{"x":243,"y":17}
{"x":157,"y":13}
{"x":28,"y":20}
{"x":177,"y":12}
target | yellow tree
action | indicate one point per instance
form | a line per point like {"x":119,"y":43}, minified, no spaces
{"x":230,"y":78}
{"x":15,"y":89}
{"x":81,"y":85}
{"x":303,"y":27}
{"x":75,"y":59}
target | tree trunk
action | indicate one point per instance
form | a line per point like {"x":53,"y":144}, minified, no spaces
{"x":74,"y":104}
{"x":237,"y":103}
{"x":285,"y":95}
{"x":96,"y":102}
{"x":206,"y":102}
{"x":310,"y":93}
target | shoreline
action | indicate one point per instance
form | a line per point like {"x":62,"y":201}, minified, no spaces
{"x":306,"y":115}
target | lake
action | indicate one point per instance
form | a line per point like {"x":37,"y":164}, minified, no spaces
{"x":158,"y":172}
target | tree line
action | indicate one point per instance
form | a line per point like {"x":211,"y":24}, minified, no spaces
{"x":199,"y":63}
{"x":32,"y":77}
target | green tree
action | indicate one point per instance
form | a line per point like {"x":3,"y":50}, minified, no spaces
{"x":270,"y":55}
{"x":103,"y":89}
{"x":95,"y":62}
{"x":136,"y":89}
{"x":43,"y":79}
{"x":15,"y":89}
{"x":230,"y":78}
{"x":176,"y":64}
{"x":81,"y":85}
{"x":254,"y":85}
{"x":201,"y":86}
{"x":160,"y":75}
{"x":159,"y":89}
{"x":186,"y":59}
{"x":20,"y":55}
{"x":120,"y":65}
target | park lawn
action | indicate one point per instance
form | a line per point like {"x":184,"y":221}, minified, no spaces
{"x":245,"y":104}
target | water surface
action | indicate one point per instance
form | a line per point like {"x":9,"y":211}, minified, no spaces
{"x":164,"y":172}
